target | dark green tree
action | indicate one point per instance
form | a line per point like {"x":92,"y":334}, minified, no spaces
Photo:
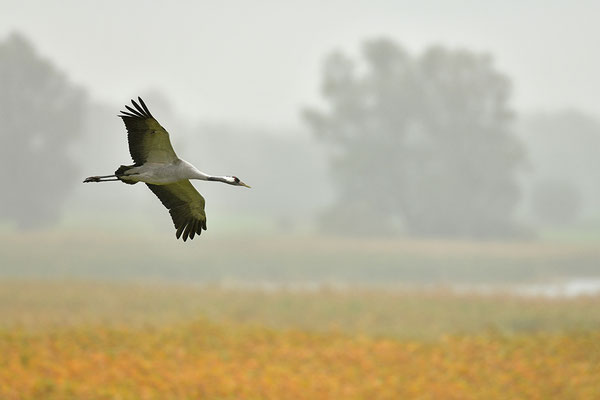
{"x":418,"y":141}
{"x":42,"y":115}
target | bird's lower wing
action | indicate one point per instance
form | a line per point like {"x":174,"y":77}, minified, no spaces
{"x":185,"y":205}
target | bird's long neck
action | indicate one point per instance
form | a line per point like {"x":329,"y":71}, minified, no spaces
{"x":224,"y":179}
{"x":205,"y":177}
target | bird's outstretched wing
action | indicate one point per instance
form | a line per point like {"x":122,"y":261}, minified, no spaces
{"x":185,"y":205}
{"x":148,"y":140}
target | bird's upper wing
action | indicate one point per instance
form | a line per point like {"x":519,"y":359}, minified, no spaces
{"x":185,"y":205}
{"x":148,"y":141}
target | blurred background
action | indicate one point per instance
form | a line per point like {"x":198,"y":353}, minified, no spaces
{"x":386,"y":142}
{"x":424,"y":218}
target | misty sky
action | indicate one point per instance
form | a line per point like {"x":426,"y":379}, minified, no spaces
{"x":259,"y":61}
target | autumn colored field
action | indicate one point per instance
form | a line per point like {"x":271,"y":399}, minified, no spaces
{"x":74,"y":340}
{"x":201,"y":360}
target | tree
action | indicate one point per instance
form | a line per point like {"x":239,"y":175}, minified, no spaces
{"x":423,"y":142}
{"x":42,"y":114}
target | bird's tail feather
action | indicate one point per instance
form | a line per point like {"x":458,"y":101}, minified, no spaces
{"x":121,"y":172}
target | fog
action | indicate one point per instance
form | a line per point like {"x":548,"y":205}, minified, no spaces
{"x":260,"y":61}
{"x":385,"y":142}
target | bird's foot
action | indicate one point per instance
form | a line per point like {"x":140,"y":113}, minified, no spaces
{"x":92,"y":179}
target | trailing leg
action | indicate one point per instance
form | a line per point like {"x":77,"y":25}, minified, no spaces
{"x":104,"y":178}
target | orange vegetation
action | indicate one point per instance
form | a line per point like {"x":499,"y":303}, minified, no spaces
{"x":204,"y":360}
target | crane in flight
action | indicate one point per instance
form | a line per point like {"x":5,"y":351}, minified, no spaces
{"x":167,"y":176}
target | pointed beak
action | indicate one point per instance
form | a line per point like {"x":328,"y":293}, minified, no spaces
{"x":243,"y":184}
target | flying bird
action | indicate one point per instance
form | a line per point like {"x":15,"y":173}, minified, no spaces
{"x":167,"y":176}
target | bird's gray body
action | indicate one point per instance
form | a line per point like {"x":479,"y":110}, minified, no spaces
{"x":157,"y":173}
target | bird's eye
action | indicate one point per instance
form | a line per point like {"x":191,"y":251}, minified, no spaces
{"x":236,"y":179}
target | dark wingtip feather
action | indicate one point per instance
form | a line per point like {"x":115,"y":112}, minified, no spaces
{"x":140,"y":109}
{"x":186,"y":232}
{"x":144,"y":106}
{"x":135,"y":112}
{"x":194,"y":228}
{"x":189,"y":229}
{"x":125,"y":114}
{"x":179,"y":231}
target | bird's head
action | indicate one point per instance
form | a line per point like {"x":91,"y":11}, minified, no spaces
{"x":235,"y":181}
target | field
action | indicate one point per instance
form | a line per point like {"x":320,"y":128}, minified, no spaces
{"x":77,"y":340}
{"x":298,"y":259}
{"x":113,"y":315}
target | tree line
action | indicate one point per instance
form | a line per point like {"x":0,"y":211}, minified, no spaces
{"x":426,"y":144}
